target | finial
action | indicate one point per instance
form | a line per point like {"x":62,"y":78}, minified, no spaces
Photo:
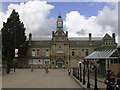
{"x":59,"y":14}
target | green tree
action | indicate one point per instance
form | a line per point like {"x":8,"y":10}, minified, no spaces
{"x":13,"y":35}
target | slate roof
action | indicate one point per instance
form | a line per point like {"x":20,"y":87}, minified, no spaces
{"x":84,"y":38}
{"x":84,"y":43}
{"x":74,"y":42}
{"x":70,"y":38}
{"x":41,"y":43}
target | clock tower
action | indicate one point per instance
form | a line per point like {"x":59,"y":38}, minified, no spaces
{"x":59,"y":22}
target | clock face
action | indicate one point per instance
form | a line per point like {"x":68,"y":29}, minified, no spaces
{"x":59,"y":24}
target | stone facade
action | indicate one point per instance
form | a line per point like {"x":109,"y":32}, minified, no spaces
{"x":60,"y":51}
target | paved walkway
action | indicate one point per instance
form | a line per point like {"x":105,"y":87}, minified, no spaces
{"x":23,"y":78}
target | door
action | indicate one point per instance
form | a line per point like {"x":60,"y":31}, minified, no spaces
{"x":59,"y":63}
{"x":102,"y":67}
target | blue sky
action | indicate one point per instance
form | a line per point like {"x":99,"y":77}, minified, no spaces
{"x":76,"y":17}
{"x":86,"y":9}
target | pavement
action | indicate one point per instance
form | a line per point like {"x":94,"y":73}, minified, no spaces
{"x":24,"y":78}
{"x":100,"y":81}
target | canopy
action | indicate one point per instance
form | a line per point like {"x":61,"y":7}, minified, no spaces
{"x":104,"y":54}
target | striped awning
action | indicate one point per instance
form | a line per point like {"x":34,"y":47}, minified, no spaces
{"x":105,"y":54}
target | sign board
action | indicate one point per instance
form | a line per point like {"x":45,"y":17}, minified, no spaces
{"x":16,"y":52}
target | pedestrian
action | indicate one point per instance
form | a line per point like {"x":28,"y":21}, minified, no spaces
{"x":46,"y":70}
{"x":63,"y":68}
{"x":110,"y":82}
{"x":24,"y":66}
{"x":31,"y":68}
{"x":118,"y":82}
{"x":69,"y":70}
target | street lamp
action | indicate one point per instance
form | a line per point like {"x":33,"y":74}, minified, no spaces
{"x":95,"y":71}
{"x":84,"y":73}
{"x":15,"y":50}
{"x":14,"y":64}
{"x":88,"y":84}
{"x":80,"y":72}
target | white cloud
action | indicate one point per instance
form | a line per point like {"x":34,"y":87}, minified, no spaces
{"x":2,"y":19}
{"x":105,"y":22}
{"x":34,"y":16}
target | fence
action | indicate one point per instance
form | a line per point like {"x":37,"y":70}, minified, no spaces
{"x":89,"y":79}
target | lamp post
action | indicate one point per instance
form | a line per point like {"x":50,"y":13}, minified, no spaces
{"x":14,"y":64}
{"x":108,"y":74}
{"x":80,"y":72}
{"x":88,"y":84}
{"x":95,"y":71}
{"x":15,"y":50}
{"x":84,"y":73}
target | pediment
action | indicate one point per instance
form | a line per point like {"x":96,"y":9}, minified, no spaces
{"x":59,"y":33}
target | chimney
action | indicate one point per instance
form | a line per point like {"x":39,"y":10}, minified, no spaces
{"x":30,"y":37}
{"x":90,"y":36}
{"x":52,"y":33}
{"x":66,"y":33}
{"x":113,"y":36}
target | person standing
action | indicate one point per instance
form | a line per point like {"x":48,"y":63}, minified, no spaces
{"x":118,"y":84}
{"x":110,"y":82}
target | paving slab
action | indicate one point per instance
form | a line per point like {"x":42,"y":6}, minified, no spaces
{"x":24,"y":78}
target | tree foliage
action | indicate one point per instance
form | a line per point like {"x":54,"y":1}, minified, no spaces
{"x":13,"y":35}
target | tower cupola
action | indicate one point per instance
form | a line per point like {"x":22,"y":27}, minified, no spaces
{"x":59,"y":22}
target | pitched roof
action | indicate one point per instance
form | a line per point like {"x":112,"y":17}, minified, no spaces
{"x":41,"y":43}
{"x":107,"y":37}
{"x":84,"y":43}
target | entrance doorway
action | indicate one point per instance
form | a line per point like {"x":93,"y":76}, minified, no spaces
{"x":60,"y":63}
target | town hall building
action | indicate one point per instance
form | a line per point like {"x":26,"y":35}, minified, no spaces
{"x":62,"y":51}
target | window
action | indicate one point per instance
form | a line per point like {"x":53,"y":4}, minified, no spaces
{"x":84,"y":52}
{"x":47,"y":52}
{"x":73,"y":52}
{"x":60,"y":49}
{"x":115,"y":61}
{"x":46,"y":61}
{"x":66,"y":62}
{"x":40,"y":61}
{"x":82,"y":49}
{"x":33,"y":52}
{"x":87,"y":52}
{"x":53,"y":63}
{"x":38,"y":52}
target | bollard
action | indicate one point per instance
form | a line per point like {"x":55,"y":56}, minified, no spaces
{"x":73,"y":72}
{"x":84,"y":74}
{"x":80,"y":73}
{"x":95,"y":71}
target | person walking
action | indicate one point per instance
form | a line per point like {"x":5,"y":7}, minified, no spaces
{"x":110,"y":82}
{"x":46,"y":69}
{"x":69,"y":70}
{"x":31,"y":68}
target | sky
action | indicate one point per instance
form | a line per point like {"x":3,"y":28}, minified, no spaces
{"x":80,"y":18}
